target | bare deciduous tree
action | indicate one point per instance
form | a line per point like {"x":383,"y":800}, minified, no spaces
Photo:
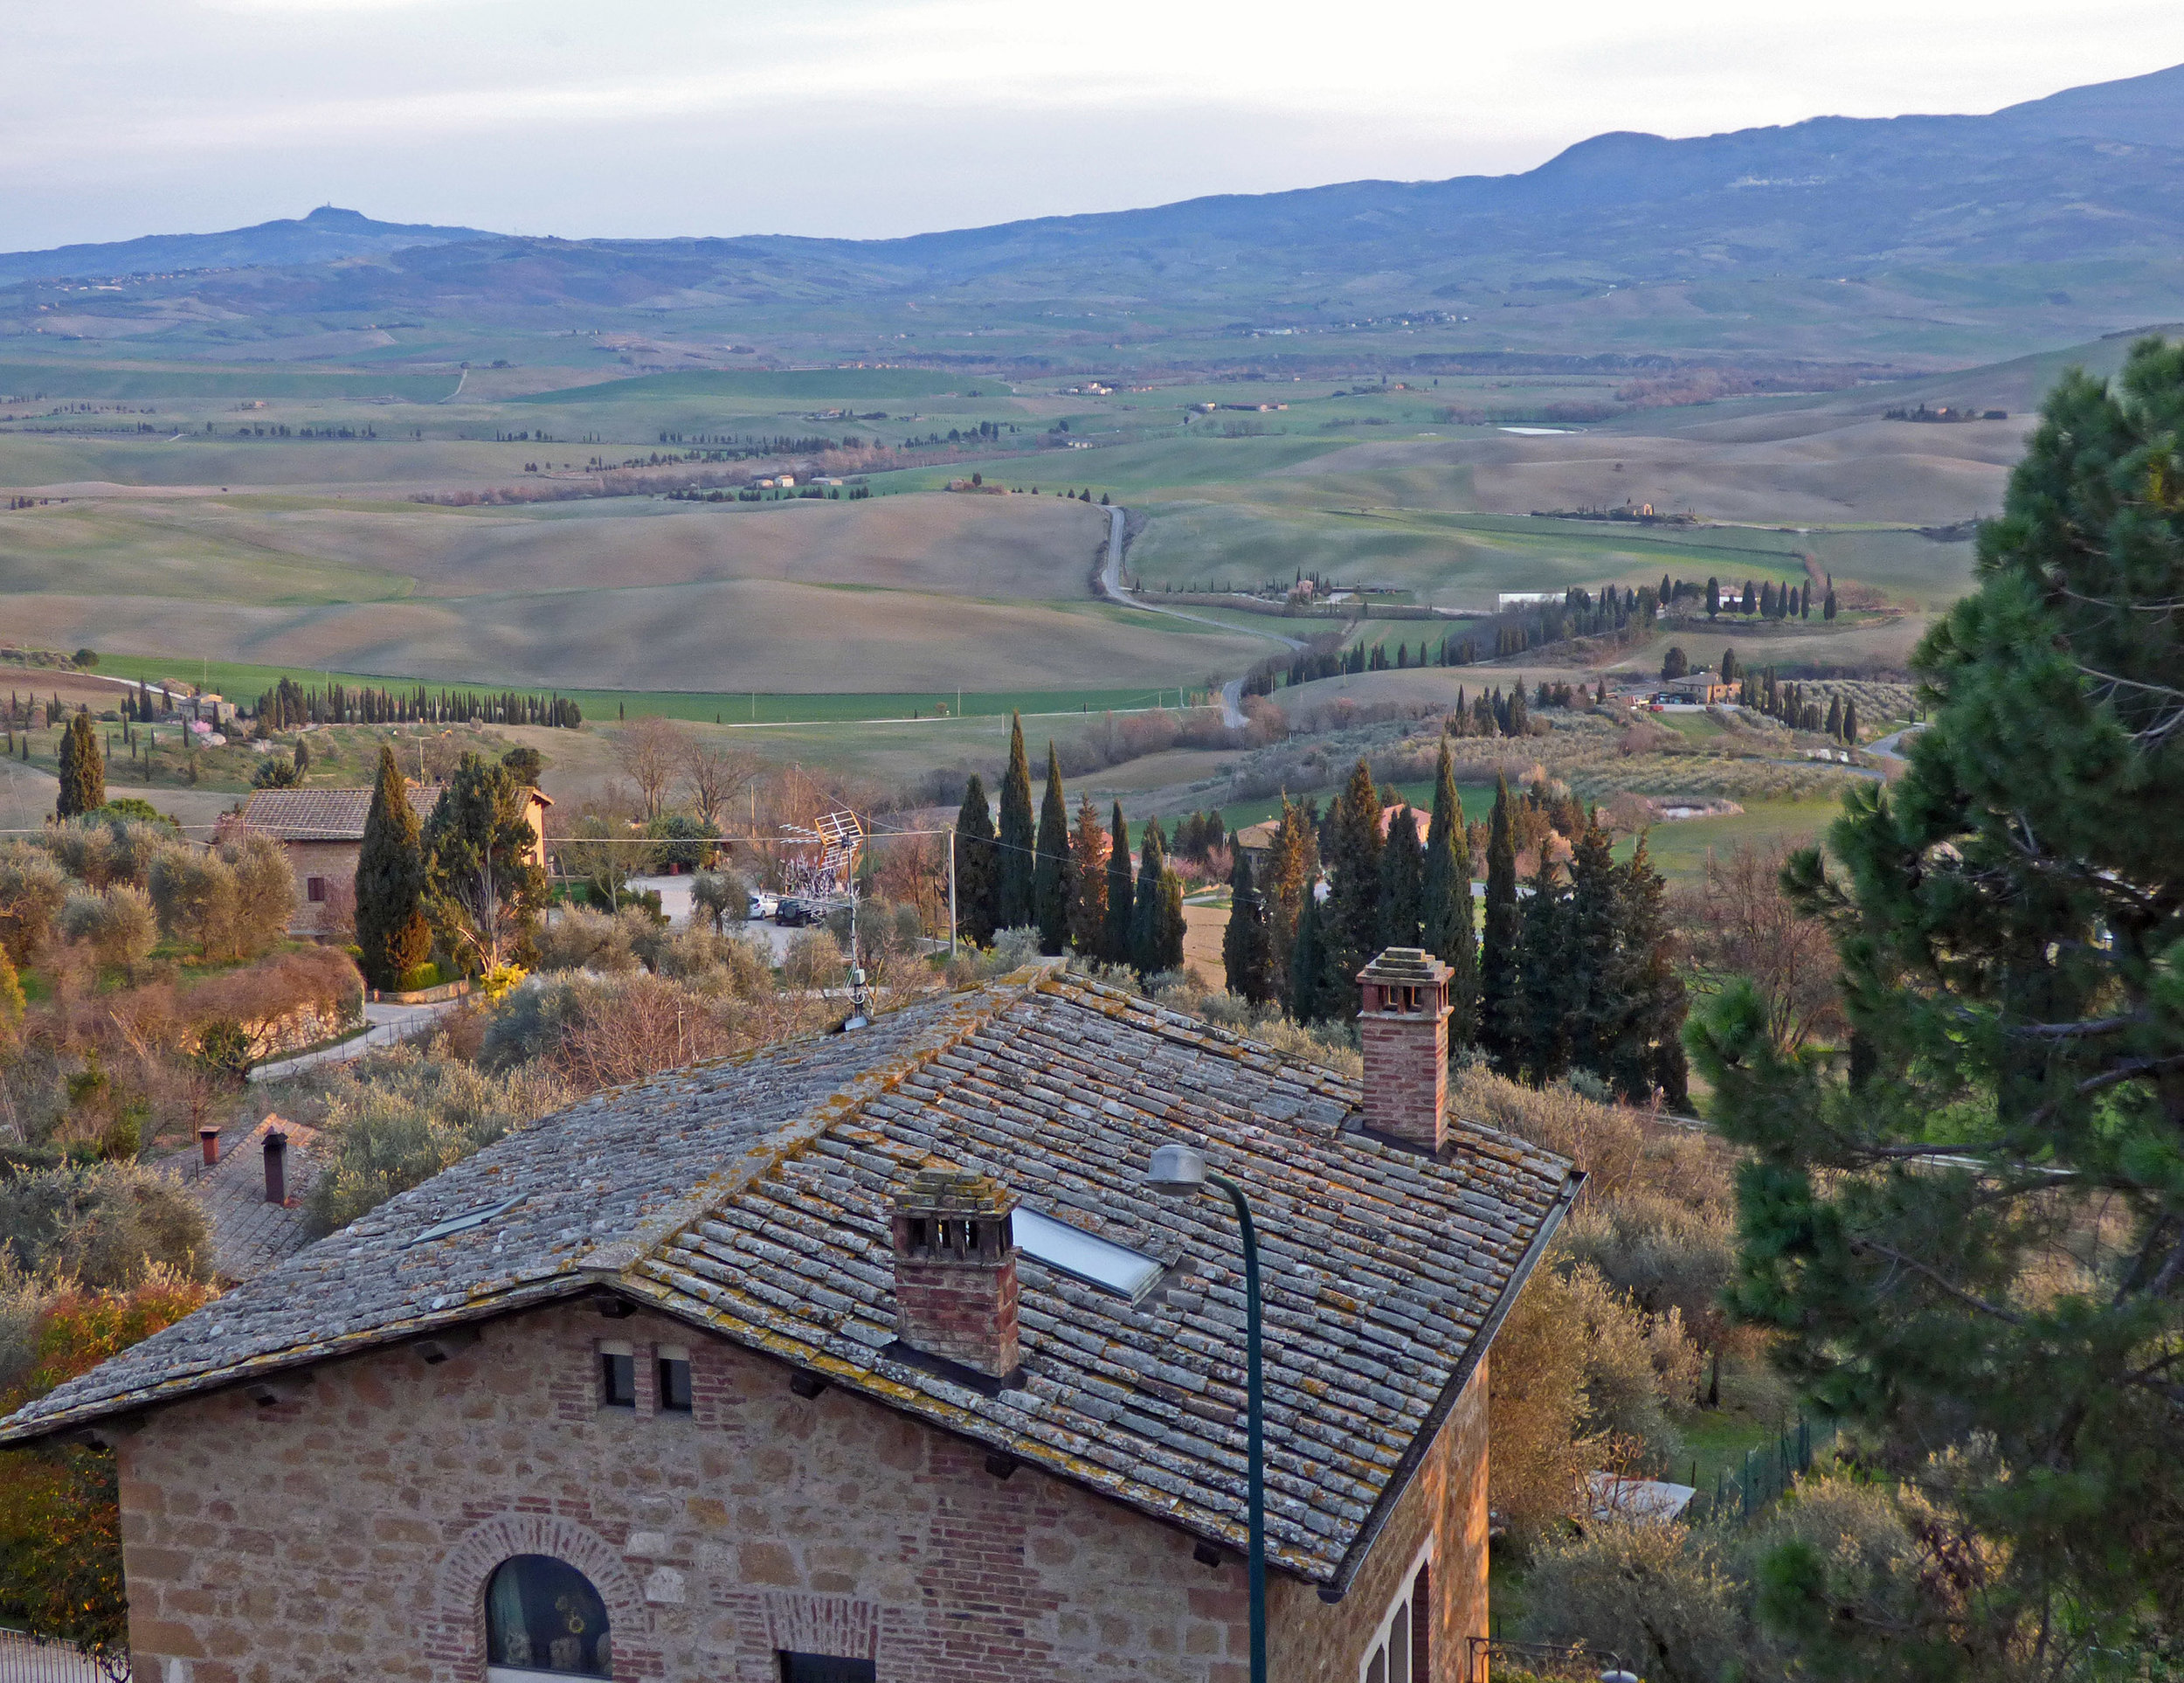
{"x":1740,"y":924}
{"x":651,"y":750}
{"x":715,"y":776}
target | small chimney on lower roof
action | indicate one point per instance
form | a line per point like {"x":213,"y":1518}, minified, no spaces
{"x":1403,"y":1023}
{"x":954,"y":1269}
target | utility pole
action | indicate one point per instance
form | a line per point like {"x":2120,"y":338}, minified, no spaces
{"x":951,"y":892}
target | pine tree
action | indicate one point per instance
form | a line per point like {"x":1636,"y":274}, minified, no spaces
{"x":977,"y":873}
{"x":1451,"y":924}
{"x":1974,"y":1243}
{"x":1016,"y":854}
{"x":1055,"y":879}
{"x":1087,"y":896}
{"x":483,"y":890}
{"x":1145,"y":933}
{"x":1402,"y":884}
{"x":1115,"y":936}
{"x":83,"y":770}
{"x":1309,"y":1001}
{"x":1244,"y":946}
{"x":1501,"y":1030}
{"x":390,"y":927}
{"x":1351,"y":928}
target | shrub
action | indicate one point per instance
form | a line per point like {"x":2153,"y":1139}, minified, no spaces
{"x":32,"y":890}
{"x":578,"y":938}
{"x":815,"y":960}
{"x":117,"y":924}
{"x":719,"y":898}
{"x":224,"y":1048}
{"x":1660,"y":1597}
{"x":110,"y":846}
{"x":105,"y":1226}
{"x":232,"y":901}
{"x":320,"y":976}
{"x":392,"y":1123}
{"x":418,"y":977}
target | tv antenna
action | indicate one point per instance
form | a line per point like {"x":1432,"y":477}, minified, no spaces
{"x":837,"y":835}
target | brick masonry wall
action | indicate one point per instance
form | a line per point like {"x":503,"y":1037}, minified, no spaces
{"x":349,"y":1532}
{"x":1405,"y":1075}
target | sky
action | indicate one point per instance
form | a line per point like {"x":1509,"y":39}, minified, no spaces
{"x":870,"y":118}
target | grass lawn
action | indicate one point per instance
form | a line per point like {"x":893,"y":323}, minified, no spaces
{"x":1679,"y":849}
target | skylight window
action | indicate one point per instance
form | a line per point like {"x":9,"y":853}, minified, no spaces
{"x":468,"y":1220}
{"x":1084,"y":1256}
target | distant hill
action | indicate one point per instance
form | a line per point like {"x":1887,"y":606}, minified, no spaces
{"x":325,"y":236}
{"x":2054,"y":220}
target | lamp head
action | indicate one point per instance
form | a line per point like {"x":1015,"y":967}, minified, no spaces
{"x":1177,"y":1172}
{"x":1619,"y":1675}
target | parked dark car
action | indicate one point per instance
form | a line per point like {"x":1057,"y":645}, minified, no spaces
{"x":796,"y":914}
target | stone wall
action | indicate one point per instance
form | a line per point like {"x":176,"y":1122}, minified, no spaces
{"x":349,"y":1533}
{"x":334,"y":861}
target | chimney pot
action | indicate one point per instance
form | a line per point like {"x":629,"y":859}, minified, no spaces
{"x":954,"y":1269}
{"x":209,"y":1144}
{"x":1403,"y":1023}
{"x":276,"y":1167}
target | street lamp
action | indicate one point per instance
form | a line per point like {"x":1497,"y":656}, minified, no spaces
{"x":1180,"y":1172}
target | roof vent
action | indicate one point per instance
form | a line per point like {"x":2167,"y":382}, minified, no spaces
{"x":1403,"y":1024}
{"x":955,"y":1269}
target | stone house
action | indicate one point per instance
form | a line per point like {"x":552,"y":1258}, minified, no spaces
{"x":323,"y":832}
{"x":866,"y":1358}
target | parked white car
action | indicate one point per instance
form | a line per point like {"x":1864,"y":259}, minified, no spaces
{"x":764,"y":904}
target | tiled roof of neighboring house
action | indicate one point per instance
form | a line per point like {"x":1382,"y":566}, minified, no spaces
{"x":751,"y":1197}
{"x":249,"y":1235}
{"x":324,"y":815}
{"x":331,"y":814}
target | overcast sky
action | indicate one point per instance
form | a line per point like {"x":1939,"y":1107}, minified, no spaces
{"x":877,"y":117}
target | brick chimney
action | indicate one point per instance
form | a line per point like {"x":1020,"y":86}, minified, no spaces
{"x":955,"y":1269}
{"x":1403,"y":1021}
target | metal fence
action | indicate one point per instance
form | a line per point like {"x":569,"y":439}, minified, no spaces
{"x":1767,"y":1471}
{"x":28,"y":1657}
{"x":1551,"y":1662}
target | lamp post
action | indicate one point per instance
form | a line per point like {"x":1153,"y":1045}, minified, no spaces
{"x":1180,"y":1172}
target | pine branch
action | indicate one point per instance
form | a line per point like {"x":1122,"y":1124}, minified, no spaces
{"x":1870,"y":1247}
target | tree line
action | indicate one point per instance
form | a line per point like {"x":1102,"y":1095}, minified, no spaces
{"x":289,"y":705}
{"x":1572,"y":971}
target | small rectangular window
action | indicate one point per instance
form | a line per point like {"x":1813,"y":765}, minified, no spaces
{"x":617,"y":1380}
{"x":315,"y":890}
{"x":826,"y":1668}
{"x":675,"y":1384}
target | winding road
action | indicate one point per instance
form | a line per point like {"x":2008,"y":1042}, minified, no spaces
{"x":1110,"y":581}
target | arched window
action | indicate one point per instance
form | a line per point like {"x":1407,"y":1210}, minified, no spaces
{"x":543,"y":1618}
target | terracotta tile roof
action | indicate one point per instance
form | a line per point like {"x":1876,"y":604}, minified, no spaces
{"x":324,"y":815}
{"x":752,"y":1198}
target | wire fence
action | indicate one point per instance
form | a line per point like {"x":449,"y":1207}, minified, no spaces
{"x":28,"y":1657}
{"x":1767,"y":1473}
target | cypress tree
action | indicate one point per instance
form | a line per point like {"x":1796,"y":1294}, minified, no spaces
{"x":1244,"y":946}
{"x":1307,"y":963}
{"x":1016,"y":850}
{"x":1087,"y":895}
{"x":1145,"y":919}
{"x":1055,"y":873}
{"x":977,"y":888}
{"x":1834,"y":715}
{"x":1449,"y":926}
{"x":390,"y":927}
{"x":1850,"y":721}
{"x":1593,"y":1004}
{"x":1351,"y":927}
{"x":1292,"y":868}
{"x":1402,"y":883}
{"x":1114,"y":943}
{"x":482,"y":892}
{"x":1501,"y":1029}
{"x":1645,"y":1048}
{"x":83,"y":770}
{"x":1548,"y":975}
{"x":1168,"y":925}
